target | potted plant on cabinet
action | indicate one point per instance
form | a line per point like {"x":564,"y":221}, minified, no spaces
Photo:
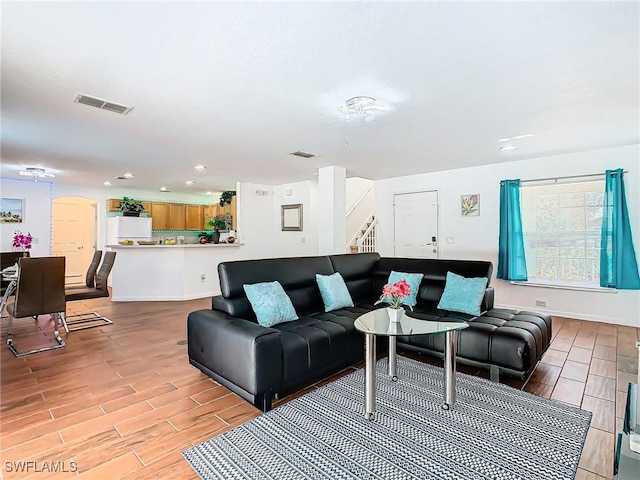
{"x":226,"y":196}
{"x":130,"y":207}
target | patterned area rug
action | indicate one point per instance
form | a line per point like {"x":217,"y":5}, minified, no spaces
{"x":493,"y":432}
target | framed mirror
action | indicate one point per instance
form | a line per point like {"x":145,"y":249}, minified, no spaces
{"x":292,"y":218}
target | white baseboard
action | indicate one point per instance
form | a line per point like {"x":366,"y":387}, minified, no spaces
{"x":171,"y":298}
{"x":577,"y":316}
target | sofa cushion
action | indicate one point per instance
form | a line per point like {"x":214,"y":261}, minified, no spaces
{"x":333,"y":291}
{"x":413,"y":279}
{"x":463,"y":294}
{"x":296,"y":275}
{"x":270,"y":303}
{"x":356,"y":271}
{"x":435,"y":274}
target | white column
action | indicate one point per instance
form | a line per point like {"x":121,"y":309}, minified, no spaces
{"x":332,"y":230}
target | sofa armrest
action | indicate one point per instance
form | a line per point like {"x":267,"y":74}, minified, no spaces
{"x":487,"y":300}
{"x":242,"y":352}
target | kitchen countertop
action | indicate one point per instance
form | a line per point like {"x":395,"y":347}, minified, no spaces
{"x":186,"y":245}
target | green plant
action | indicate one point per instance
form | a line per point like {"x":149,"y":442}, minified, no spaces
{"x":130,"y":205}
{"x":225,"y":197}
{"x":220,"y":222}
{"x":207,"y":235}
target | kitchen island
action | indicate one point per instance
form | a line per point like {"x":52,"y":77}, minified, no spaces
{"x":168,"y":272}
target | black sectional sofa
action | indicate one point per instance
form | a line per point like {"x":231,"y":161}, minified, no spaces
{"x":257,"y":362}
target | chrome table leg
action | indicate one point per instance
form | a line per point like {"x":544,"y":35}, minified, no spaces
{"x":451,"y":341}
{"x":393,"y":370}
{"x":370,"y":376}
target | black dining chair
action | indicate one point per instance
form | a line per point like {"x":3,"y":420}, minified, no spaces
{"x":40,"y":291}
{"x":90,"y":319}
{"x":90,"y":277}
{"x":8,"y":259}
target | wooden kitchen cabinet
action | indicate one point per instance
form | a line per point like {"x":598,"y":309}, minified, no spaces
{"x":159,"y":216}
{"x":177,"y":216}
{"x":208,"y":212}
{"x":113,"y":204}
{"x":231,"y":209}
{"x":194,"y":218}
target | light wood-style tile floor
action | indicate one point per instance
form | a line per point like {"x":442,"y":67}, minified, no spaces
{"x":122,"y":401}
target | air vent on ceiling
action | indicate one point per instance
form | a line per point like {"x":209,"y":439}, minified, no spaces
{"x":102,"y":104}
{"x":302,"y":154}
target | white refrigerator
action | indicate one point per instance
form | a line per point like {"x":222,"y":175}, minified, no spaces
{"x":130,"y":228}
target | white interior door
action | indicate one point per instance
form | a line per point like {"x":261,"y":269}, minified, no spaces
{"x":416,"y":225}
{"x":74,"y":235}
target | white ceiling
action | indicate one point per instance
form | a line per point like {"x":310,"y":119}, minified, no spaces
{"x":237,"y":86}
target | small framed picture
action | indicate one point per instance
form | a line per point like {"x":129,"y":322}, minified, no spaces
{"x":470,"y":205}
{"x":292,"y":218}
{"x":11,"y":210}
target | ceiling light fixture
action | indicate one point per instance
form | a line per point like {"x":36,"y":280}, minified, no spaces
{"x":508,"y":148}
{"x":361,"y":107}
{"x":209,"y":193}
{"x":36,"y":173}
{"x":164,"y":189}
{"x":200,"y":168}
{"x":128,"y":175}
{"x":189,"y":182}
{"x":106,"y":184}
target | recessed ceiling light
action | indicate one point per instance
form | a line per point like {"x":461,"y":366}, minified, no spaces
{"x":200,"y":168}
{"x":164,"y":189}
{"x":507,"y":148}
{"x":526,"y":135}
{"x":189,"y":182}
{"x":209,"y":193}
{"x":128,"y":175}
{"x":517,"y":137}
{"x":107,"y":184}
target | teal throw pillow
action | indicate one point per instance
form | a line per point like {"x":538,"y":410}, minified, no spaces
{"x":334,"y":292}
{"x":463,"y":294}
{"x":413,"y":279}
{"x":270,"y":303}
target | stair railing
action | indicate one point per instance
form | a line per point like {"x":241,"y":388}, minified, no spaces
{"x":367,"y":242}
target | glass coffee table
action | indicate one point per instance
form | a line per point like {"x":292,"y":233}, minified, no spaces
{"x":377,"y":323}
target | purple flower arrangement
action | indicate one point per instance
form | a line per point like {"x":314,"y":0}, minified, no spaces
{"x":22,"y":241}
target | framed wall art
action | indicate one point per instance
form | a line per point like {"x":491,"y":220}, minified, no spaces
{"x":292,"y":218}
{"x":11,"y":210}
{"x":470,"y":205}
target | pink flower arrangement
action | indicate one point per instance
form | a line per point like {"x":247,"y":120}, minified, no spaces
{"x":394,"y":294}
{"x":22,"y":241}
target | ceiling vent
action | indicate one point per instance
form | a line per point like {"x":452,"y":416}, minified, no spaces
{"x":102,"y":104}
{"x":299,"y":153}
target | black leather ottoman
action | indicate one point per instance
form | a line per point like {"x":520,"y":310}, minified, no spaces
{"x":505,"y":341}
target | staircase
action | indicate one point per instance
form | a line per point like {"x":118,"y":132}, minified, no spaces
{"x":366,"y":241}
{"x":359,"y":218}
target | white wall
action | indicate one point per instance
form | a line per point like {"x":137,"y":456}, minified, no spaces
{"x":477,"y":237}
{"x":36,"y":209}
{"x":259,"y":220}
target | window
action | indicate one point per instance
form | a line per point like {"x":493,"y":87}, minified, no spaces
{"x":561,"y":226}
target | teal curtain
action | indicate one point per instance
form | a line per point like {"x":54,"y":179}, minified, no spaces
{"x":618,"y":265}
{"x":511,"y":260}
